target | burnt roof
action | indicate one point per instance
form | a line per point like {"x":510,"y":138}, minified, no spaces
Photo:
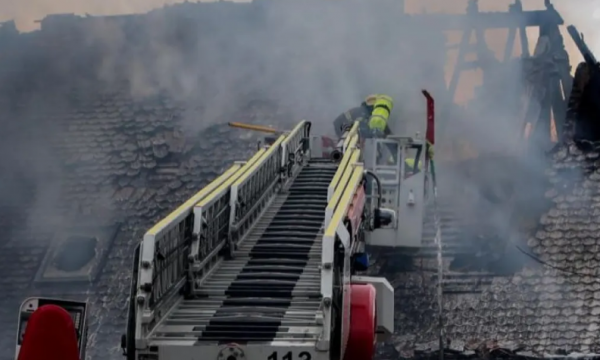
{"x":117,"y":162}
{"x":548,"y":308}
{"x":86,"y":144}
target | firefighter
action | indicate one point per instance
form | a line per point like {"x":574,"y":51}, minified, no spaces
{"x":378,"y":122}
{"x":360,"y":113}
{"x":583,"y":115}
{"x":409,"y":167}
{"x":373,"y":114}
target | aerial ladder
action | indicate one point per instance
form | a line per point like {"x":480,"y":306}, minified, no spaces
{"x":268,"y":260}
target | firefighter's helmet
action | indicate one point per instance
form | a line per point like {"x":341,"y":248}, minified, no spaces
{"x":370,"y":100}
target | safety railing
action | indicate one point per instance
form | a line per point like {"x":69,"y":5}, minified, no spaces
{"x":334,"y":231}
{"x":211,"y":223}
{"x":178,"y":250}
{"x":249,"y":191}
{"x":252,"y":192}
{"x":164,"y":253}
{"x":128,"y":343}
{"x":338,"y":188}
{"x":351,"y":134}
{"x":346,"y":160}
{"x":294,"y":144}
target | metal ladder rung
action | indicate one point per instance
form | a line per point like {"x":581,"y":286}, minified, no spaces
{"x":305,"y":233}
{"x":301,"y":213}
{"x":271,"y":242}
{"x":281,"y":251}
{"x":324,"y":172}
{"x":299,"y":218}
{"x":311,"y":207}
{"x":299,"y":196}
{"x":264,"y":284}
{"x":310,"y":235}
{"x":216,"y":319}
{"x":286,"y":249}
{"x":247,"y":307}
{"x":258,"y":292}
{"x":318,"y":221}
{"x":307,"y":190}
{"x":168,"y":341}
{"x":302,"y":201}
{"x":243,"y":313}
{"x":293,"y":302}
{"x":277,"y":269}
{"x":295,"y":309}
{"x":304,"y":243}
{"x":312,"y":182}
{"x":321,"y":176}
{"x":300,"y":313}
{"x":267,"y":284}
{"x":213,"y":316}
{"x":243,"y":259}
{"x":253,"y":319}
{"x":265,"y":275}
{"x":257,"y":335}
{"x":297,"y":273}
{"x":274,"y":266}
{"x":283,"y":254}
{"x":280,"y":246}
{"x":304,"y":228}
{"x":198,"y":330}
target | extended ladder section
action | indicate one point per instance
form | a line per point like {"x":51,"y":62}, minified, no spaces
{"x":243,"y":269}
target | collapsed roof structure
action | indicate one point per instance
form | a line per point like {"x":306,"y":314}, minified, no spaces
{"x":110,"y":122}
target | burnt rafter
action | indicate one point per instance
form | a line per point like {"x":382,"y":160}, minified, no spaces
{"x":496,"y":19}
{"x":476,"y":22}
{"x":546,"y":71}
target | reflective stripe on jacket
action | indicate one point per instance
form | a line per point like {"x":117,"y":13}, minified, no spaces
{"x":381,"y":112}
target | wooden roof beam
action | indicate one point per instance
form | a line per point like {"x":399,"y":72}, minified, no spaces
{"x":493,"y":20}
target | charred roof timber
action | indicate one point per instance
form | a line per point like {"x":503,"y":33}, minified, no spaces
{"x":516,"y":16}
{"x":549,"y":45}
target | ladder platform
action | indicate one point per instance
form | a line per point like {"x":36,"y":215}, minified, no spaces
{"x":270,"y":291}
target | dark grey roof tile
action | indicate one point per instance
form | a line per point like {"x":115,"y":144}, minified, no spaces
{"x":131,"y":172}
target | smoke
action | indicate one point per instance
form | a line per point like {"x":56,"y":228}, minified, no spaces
{"x":586,"y":17}
{"x":300,"y":59}
{"x":308,"y":60}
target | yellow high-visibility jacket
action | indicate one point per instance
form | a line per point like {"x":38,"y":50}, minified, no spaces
{"x":410,"y":164}
{"x":382,"y":109}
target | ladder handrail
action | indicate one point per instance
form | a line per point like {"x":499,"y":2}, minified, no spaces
{"x":268,"y":165}
{"x":345,"y":175}
{"x":346,"y":159}
{"x":185,"y":234}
